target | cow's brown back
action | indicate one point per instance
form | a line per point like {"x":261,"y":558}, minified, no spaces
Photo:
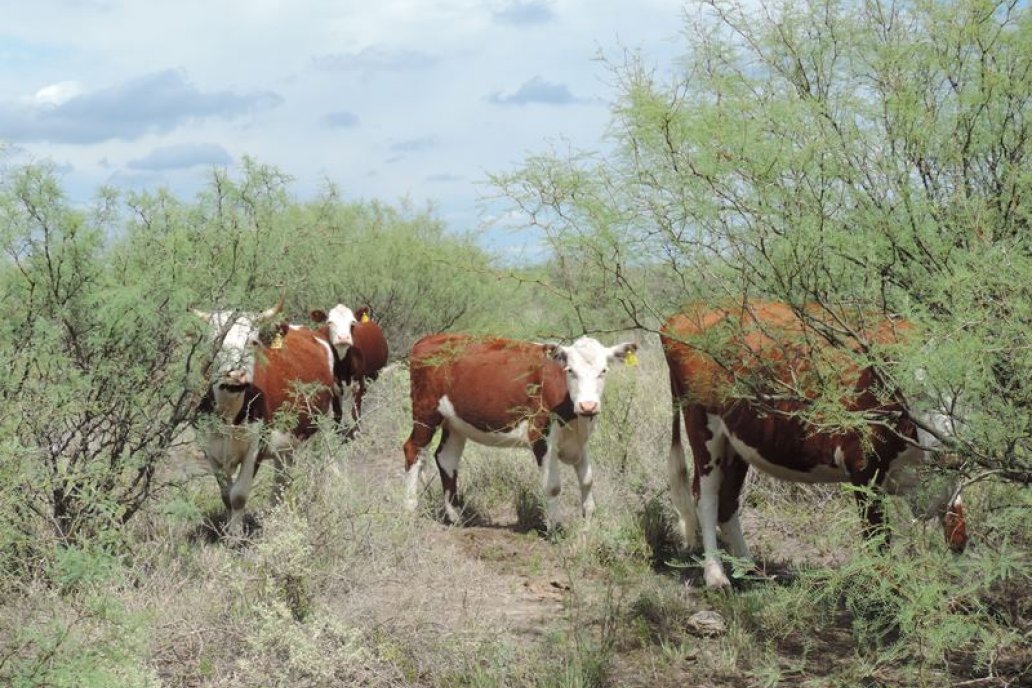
{"x":764,"y":347}
{"x":492,"y":383}
{"x":296,"y":378}
{"x":368,"y":355}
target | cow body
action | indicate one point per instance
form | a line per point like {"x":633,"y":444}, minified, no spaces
{"x":506,"y":393}
{"x":262,"y":402}
{"x":360,"y":353}
{"x":743,"y":378}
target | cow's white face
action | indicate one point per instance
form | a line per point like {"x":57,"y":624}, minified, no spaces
{"x":586,"y":363}
{"x":341,"y":321}
{"x":233,"y":364}
{"x":234,"y":361}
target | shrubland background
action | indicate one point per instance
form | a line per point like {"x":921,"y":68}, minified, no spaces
{"x":855,"y":160}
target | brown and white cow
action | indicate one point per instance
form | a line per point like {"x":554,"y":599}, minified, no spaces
{"x":506,"y":393}
{"x":744,"y":378}
{"x":263,"y":401}
{"x":359,"y":354}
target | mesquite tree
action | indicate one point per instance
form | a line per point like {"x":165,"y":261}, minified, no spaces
{"x":858,"y":160}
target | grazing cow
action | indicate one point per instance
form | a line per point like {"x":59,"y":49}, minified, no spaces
{"x":744,"y":377}
{"x":262,"y":400}
{"x":359,"y":354}
{"x":506,"y":393}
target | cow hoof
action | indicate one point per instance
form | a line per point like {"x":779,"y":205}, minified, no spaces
{"x":714,"y":575}
{"x":452,"y":516}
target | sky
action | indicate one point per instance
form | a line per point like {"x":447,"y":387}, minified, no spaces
{"x":386,"y":99}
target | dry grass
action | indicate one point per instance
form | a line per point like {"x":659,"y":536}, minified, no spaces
{"x":341,"y":586}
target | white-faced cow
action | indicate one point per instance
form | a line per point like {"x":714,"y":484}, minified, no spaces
{"x":359,"y":354}
{"x":262,"y":401}
{"x":506,"y":393}
{"x":744,"y":378}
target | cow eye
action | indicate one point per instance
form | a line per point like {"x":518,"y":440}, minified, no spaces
{"x":603,"y":373}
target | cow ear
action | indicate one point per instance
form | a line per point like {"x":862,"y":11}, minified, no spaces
{"x":364,"y":314}
{"x":317,"y":316}
{"x":556,"y":352}
{"x":625,"y":352}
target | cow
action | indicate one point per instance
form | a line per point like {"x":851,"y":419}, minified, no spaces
{"x":744,"y":379}
{"x":262,"y":401}
{"x":506,"y":393}
{"x":359,"y":354}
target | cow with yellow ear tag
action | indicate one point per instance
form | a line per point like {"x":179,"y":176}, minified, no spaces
{"x":359,"y":350}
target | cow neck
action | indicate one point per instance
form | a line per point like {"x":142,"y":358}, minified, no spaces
{"x":339,"y":367}
{"x":234,"y":408}
{"x":554,"y":383}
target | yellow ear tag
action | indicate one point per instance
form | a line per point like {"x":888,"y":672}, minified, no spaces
{"x":631,"y":359}
{"x":277,"y":342}
{"x":365,"y":317}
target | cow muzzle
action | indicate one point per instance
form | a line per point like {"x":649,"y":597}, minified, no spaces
{"x":587,"y":408}
{"x":235,"y":377}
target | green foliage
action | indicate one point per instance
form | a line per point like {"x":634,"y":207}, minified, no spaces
{"x":104,"y":357}
{"x":97,"y":383}
{"x":83,"y":637}
{"x":860,"y":162}
{"x":852,"y":159}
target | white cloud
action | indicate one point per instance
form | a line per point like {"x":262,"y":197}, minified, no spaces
{"x":56,"y":94}
{"x":153,"y":103}
{"x":378,"y":97}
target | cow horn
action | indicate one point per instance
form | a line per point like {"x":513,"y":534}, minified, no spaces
{"x":265,"y":315}
{"x":203,"y":315}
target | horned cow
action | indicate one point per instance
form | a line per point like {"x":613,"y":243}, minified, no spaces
{"x":262,"y":401}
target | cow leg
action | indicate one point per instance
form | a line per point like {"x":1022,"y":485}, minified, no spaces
{"x":586,"y":479}
{"x":870,"y":499}
{"x":449,"y":451}
{"x":356,"y":407}
{"x":345,"y":397}
{"x":240,"y":490}
{"x":222,"y":477}
{"x":735,"y":470}
{"x":575,"y":453}
{"x":280,"y":448}
{"x":338,"y":412}
{"x":358,"y":391}
{"x":709,"y":445}
{"x":423,"y":429}
{"x":548,"y":463}
{"x":680,"y":490}
{"x":281,"y":479}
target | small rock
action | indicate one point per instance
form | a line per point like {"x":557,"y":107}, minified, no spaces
{"x":707,"y":624}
